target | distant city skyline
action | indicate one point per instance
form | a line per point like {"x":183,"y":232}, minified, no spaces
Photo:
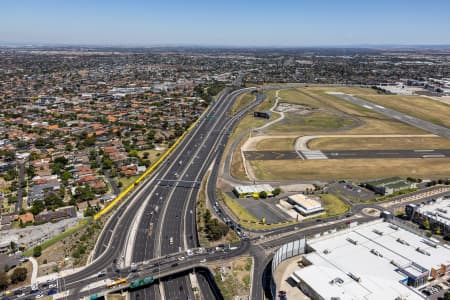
{"x":286,"y":23}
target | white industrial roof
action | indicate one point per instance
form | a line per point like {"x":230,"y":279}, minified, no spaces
{"x":307,"y":202}
{"x":251,"y":189}
{"x":439,"y":210}
{"x":379,"y":276}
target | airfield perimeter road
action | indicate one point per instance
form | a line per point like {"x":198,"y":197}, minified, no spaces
{"x":351,"y":154}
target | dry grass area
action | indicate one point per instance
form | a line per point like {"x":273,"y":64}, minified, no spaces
{"x":420,"y":107}
{"x":333,"y":205}
{"x":276,"y":144}
{"x":242,"y":101}
{"x":59,"y":256}
{"x":237,"y":164}
{"x":27,"y":281}
{"x":316,"y":121}
{"x":295,"y":97}
{"x":379,"y":143}
{"x":153,"y":155}
{"x":351,"y":168}
{"x":233,"y":278}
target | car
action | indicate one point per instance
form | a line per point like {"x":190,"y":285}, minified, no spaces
{"x":438,"y":287}
{"x":426,"y":292}
{"x":40,"y":295}
{"x":174,"y":265}
{"x":101,"y":274}
{"x":52,"y":292}
{"x":52,"y":285}
{"x":203,"y":260}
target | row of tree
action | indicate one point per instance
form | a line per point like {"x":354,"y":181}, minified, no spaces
{"x":18,"y":275}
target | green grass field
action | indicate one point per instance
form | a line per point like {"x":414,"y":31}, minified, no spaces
{"x":242,"y":101}
{"x":333,"y":205}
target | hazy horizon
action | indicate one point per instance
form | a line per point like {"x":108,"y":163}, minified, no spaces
{"x":286,"y":23}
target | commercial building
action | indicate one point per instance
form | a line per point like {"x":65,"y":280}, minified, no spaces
{"x":245,"y":191}
{"x":305,"y":205}
{"x":389,"y":186}
{"x":375,"y":260}
{"x":436,"y":213}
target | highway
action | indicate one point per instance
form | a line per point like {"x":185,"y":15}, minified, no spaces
{"x":172,"y":226}
{"x":115,"y":236}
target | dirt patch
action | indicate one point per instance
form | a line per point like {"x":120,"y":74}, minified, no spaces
{"x":233,"y":278}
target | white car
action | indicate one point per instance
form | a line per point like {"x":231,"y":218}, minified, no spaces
{"x":52,"y":286}
{"x":38,"y":296}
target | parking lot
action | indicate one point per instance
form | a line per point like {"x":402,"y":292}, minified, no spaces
{"x":436,"y":290}
{"x":350,"y":191}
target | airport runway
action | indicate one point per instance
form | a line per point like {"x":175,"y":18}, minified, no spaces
{"x":350,"y":154}
{"x":402,"y":117}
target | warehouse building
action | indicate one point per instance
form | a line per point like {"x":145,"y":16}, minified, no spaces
{"x":246,"y":191}
{"x":437,"y":213}
{"x":375,"y":260}
{"x":389,"y":186}
{"x":305,"y":205}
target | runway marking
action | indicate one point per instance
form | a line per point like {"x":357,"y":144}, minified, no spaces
{"x":434,"y":156}
{"x":423,"y":150}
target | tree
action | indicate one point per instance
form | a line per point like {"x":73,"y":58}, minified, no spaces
{"x":13,"y":246}
{"x":263,"y":194}
{"x":437,"y":230}
{"x":447,"y":296}
{"x":426,"y":224}
{"x":276,"y":191}
{"x":3,"y":281}
{"x":38,"y":206}
{"x":37,"y":251}
{"x":19,"y":274}
{"x":216,"y":230}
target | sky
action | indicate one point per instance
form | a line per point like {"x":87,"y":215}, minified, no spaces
{"x":276,"y":23}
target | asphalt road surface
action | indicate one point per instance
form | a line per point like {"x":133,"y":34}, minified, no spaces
{"x":351,"y":154}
